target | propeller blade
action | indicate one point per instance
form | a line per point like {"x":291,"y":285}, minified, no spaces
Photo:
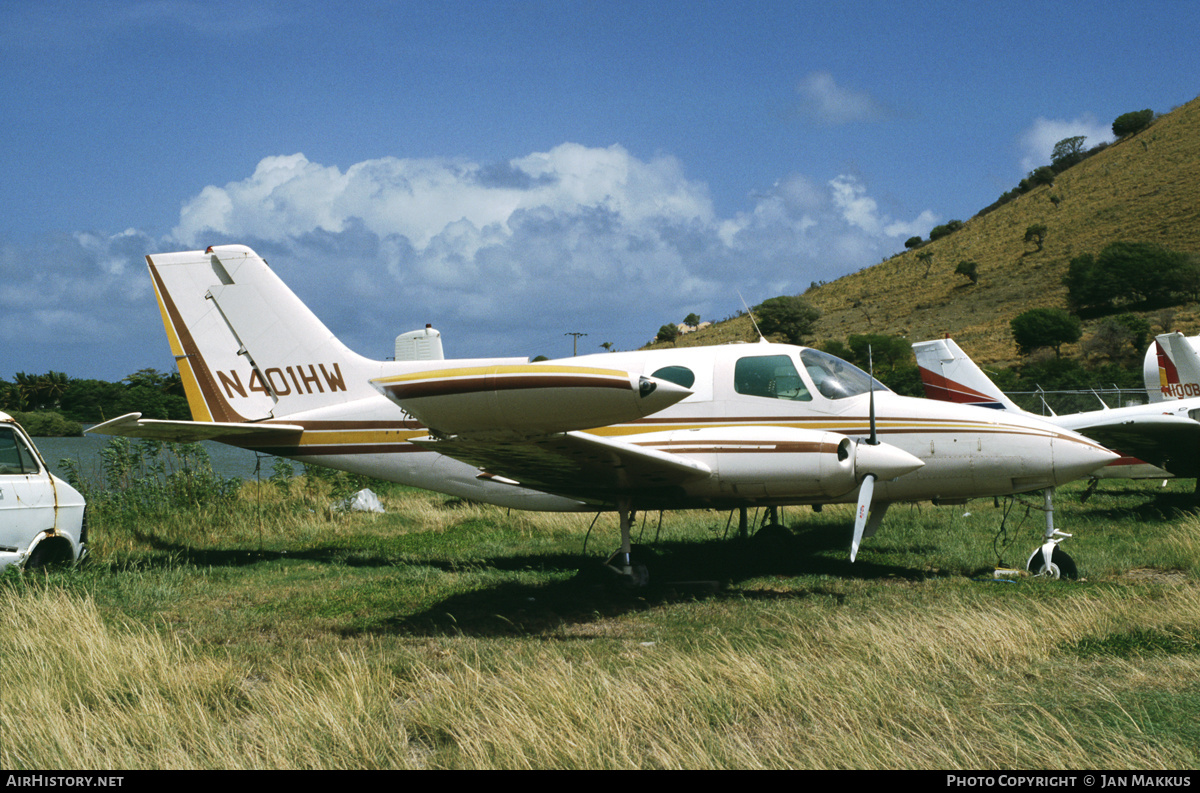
{"x":874,"y":439}
{"x":865,"y":491}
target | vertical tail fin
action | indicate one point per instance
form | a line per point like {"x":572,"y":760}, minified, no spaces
{"x":1172,"y":368}
{"x":950,"y":376}
{"x":247,"y":348}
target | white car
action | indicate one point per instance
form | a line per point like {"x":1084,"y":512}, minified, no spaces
{"x":41,"y":516}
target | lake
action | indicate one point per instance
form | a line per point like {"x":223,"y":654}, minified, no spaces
{"x":226,"y":460}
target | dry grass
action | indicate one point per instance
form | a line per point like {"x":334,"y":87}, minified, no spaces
{"x":413,"y":640}
{"x":956,"y":686}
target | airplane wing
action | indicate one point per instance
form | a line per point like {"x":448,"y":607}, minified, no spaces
{"x":1169,"y":442}
{"x":132,"y":425}
{"x":573,"y":464}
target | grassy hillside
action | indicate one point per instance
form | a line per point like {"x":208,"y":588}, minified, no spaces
{"x":1145,"y":188}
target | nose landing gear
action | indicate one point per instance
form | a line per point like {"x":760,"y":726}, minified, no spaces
{"x":1050,"y":560}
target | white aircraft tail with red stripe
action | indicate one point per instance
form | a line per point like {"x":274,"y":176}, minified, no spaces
{"x":1172,"y":367}
{"x":950,"y":376}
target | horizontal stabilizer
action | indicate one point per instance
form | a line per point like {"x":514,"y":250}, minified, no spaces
{"x":132,"y":425}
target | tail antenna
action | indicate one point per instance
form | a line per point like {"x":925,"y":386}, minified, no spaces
{"x":761,"y":338}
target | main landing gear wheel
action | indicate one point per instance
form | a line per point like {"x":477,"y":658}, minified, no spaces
{"x":1061,"y":565}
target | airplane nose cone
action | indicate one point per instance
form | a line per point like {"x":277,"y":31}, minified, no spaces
{"x":883,"y":460}
{"x":1076,"y":457}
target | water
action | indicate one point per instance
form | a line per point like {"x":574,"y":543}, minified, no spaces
{"x":226,"y":460}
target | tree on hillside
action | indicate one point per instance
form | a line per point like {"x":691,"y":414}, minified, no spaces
{"x":1038,"y":176}
{"x":969,"y":269}
{"x":937,"y":232}
{"x":912,"y":242}
{"x":667,"y":333}
{"x":692,"y":319}
{"x":1036,"y":234}
{"x":793,"y":317}
{"x":1045,"y":327}
{"x":1131,"y":272}
{"x":885,"y":353}
{"x":926,"y":258}
{"x":1129,"y":123}
{"x":1067,"y":152}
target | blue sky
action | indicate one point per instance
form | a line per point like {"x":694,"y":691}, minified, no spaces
{"x":512,"y":172}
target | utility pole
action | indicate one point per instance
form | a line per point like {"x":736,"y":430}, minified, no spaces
{"x":575,"y":342}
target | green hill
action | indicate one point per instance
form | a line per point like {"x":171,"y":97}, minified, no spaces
{"x":1144,"y":188}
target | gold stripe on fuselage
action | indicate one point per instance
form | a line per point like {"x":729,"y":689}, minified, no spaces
{"x":356,"y":439}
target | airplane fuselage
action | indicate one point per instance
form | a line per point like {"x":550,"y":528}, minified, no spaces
{"x":737,"y":427}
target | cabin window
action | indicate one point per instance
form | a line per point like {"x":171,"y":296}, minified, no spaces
{"x":679,"y":375}
{"x":771,"y":376}
{"x":835,"y":378}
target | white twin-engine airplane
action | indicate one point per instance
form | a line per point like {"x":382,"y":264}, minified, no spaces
{"x":701,"y":427}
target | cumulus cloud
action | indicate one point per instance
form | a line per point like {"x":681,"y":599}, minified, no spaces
{"x":830,"y":104}
{"x":503,"y":257}
{"x":1037,"y":142}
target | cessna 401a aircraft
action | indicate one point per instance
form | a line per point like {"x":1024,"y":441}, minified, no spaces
{"x":700,"y":427}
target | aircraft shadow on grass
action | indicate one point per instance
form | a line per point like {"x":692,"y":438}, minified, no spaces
{"x":680,"y":571}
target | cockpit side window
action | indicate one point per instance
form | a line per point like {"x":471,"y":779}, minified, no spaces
{"x":771,"y":376}
{"x":835,"y":378}
{"x":679,"y":375}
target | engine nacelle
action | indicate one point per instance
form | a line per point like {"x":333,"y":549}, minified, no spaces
{"x":779,"y":462}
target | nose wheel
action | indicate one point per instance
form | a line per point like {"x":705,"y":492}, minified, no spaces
{"x":1049,"y":560}
{"x":1059,"y":565}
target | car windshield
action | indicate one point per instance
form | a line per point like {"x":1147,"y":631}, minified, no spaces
{"x":835,"y":378}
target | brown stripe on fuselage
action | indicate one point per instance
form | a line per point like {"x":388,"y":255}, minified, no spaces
{"x":342,"y":426}
{"x":472,"y":385}
{"x":742,"y":447}
{"x":333,"y":450}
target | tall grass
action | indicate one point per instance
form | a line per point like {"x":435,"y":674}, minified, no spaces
{"x":959,"y":686}
{"x":259,"y":629}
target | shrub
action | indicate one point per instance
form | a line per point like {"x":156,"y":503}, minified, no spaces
{"x":937,"y":232}
{"x":1041,"y":176}
{"x":1036,"y":234}
{"x":969,"y":269}
{"x":793,"y":317}
{"x":1129,"y":123}
{"x":146,"y":479}
{"x":1131,"y":272}
{"x":1045,"y":327}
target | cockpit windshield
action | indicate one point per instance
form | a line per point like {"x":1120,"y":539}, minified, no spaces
{"x":835,"y":378}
